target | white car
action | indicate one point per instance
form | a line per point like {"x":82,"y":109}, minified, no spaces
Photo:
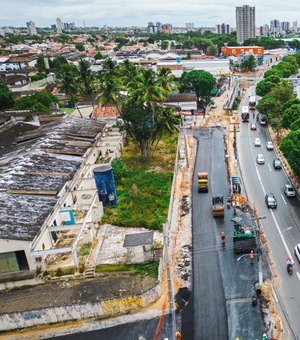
{"x":297,"y":251}
{"x":260,"y":159}
{"x":257,"y":142}
{"x":213,"y":105}
{"x":289,"y":191}
{"x":269,"y":146}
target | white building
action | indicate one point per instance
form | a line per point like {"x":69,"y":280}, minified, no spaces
{"x":245,"y":23}
{"x":31,"y":28}
{"x":59,"y":25}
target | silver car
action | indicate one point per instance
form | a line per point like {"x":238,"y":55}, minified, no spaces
{"x":289,"y":191}
{"x":297,"y":251}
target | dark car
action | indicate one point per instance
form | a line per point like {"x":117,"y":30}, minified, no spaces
{"x":271,"y":201}
{"x":263,"y":121}
{"x":276,"y":163}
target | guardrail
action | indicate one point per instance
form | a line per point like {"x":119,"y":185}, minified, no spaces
{"x":230,"y":101}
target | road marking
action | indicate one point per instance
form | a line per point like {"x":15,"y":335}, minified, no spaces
{"x":262,"y":146}
{"x":270,"y":168}
{"x":283,"y":199}
{"x":259,"y":178}
{"x":298,"y":276}
{"x":280,"y":234}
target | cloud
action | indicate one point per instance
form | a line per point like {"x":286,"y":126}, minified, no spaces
{"x":138,"y":13}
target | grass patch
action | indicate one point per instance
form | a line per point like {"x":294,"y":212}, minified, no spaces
{"x":85,"y":249}
{"x":142,"y":269}
{"x":143,"y":188}
{"x":67,"y":111}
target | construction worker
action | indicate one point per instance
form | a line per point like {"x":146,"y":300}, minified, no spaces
{"x":222,"y":236}
{"x":178,"y":335}
{"x":251,"y":256}
{"x":265,"y":337}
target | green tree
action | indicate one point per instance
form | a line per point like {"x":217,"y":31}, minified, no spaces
{"x":248,"y":64}
{"x":290,"y":115}
{"x":6,"y":97}
{"x":212,"y":50}
{"x":290,"y":146}
{"x":57,"y":62}
{"x":66,"y":79}
{"x":199,"y":81}
{"x":98,"y":56}
{"x":40,"y":101}
{"x":79,"y":47}
{"x":268,"y":106}
{"x":85,"y":76}
{"x":289,"y":103}
{"x":264,"y":87}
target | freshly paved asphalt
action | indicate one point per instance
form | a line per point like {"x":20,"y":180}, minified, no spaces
{"x":222,"y":286}
{"x":282,"y":225}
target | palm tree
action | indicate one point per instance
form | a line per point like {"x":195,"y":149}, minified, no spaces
{"x":68,"y":85}
{"x":167,"y":80}
{"x":85,"y":77}
{"x":128,"y":71}
{"x":109,"y":69}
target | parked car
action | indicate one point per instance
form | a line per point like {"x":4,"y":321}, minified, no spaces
{"x":270,"y":200}
{"x":260,"y":159}
{"x":213,"y":105}
{"x":297,"y":251}
{"x":289,"y":191}
{"x":253,"y":127}
{"x":276,"y":163}
{"x":257,"y":142}
{"x":269,"y":146}
{"x":263,"y":121}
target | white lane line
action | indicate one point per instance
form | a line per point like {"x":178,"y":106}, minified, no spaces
{"x":259,"y":178}
{"x":283,"y":199}
{"x":280,"y":234}
{"x":262,"y":146}
{"x":269,"y":167}
{"x":298,"y":275}
{"x":273,"y":290}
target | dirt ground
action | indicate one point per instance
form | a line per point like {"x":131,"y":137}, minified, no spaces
{"x":70,"y":292}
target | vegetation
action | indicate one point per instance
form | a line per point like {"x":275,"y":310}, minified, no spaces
{"x":248,"y":64}
{"x":201,"y":82}
{"x":6,"y":97}
{"x":282,"y":108}
{"x":143,"y":188}
{"x":142,"y":269}
{"x":85,"y":249}
{"x":39,"y":101}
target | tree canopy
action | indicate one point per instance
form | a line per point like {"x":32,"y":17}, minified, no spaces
{"x":199,"y":81}
{"x":6,"y":97}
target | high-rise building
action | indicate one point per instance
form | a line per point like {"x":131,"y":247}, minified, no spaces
{"x":59,"y":25}
{"x":223,"y":29}
{"x":295,"y":26}
{"x":189,"y":25}
{"x":151,"y":28}
{"x":245,"y":23}
{"x":264,"y":30}
{"x":275,"y":27}
{"x":31,"y":28}
{"x":285,"y":26}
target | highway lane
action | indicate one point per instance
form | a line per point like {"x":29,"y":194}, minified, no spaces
{"x":282,"y":224}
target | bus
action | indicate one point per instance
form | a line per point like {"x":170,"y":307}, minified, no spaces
{"x":252,"y":102}
{"x":245,"y":114}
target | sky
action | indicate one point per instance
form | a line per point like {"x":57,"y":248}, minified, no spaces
{"x":140,"y":12}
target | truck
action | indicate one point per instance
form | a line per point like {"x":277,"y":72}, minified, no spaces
{"x":252,"y":102}
{"x":245,"y":114}
{"x":202,"y":181}
{"x":244,"y":239}
{"x":218,"y":205}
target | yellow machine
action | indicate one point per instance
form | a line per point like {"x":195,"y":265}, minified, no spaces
{"x":218,"y":206}
{"x":202,"y":182}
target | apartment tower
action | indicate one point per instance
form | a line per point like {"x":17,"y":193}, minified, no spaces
{"x":245,"y":23}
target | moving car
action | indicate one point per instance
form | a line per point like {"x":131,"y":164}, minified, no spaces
{"x":276,"y":163}
{"x":260,"y":159}
{"x":269,"y":146}
{"x":257,"y":142}
{"x":270,"y":200}
{"x":289,"y":191}
{"x":297,"y":251}
{"x":253,"y":127}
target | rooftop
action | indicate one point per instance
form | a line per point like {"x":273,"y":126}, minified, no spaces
{"x":33,"y":174}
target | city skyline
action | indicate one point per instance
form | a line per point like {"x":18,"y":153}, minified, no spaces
{"x":134,"y":13}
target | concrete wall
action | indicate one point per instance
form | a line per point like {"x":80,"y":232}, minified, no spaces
{"x":14,"y":245}
{"x":104,"y":309}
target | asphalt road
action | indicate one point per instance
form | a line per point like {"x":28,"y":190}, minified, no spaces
{"x":222,"y":286}
{"x":282,"y":225}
